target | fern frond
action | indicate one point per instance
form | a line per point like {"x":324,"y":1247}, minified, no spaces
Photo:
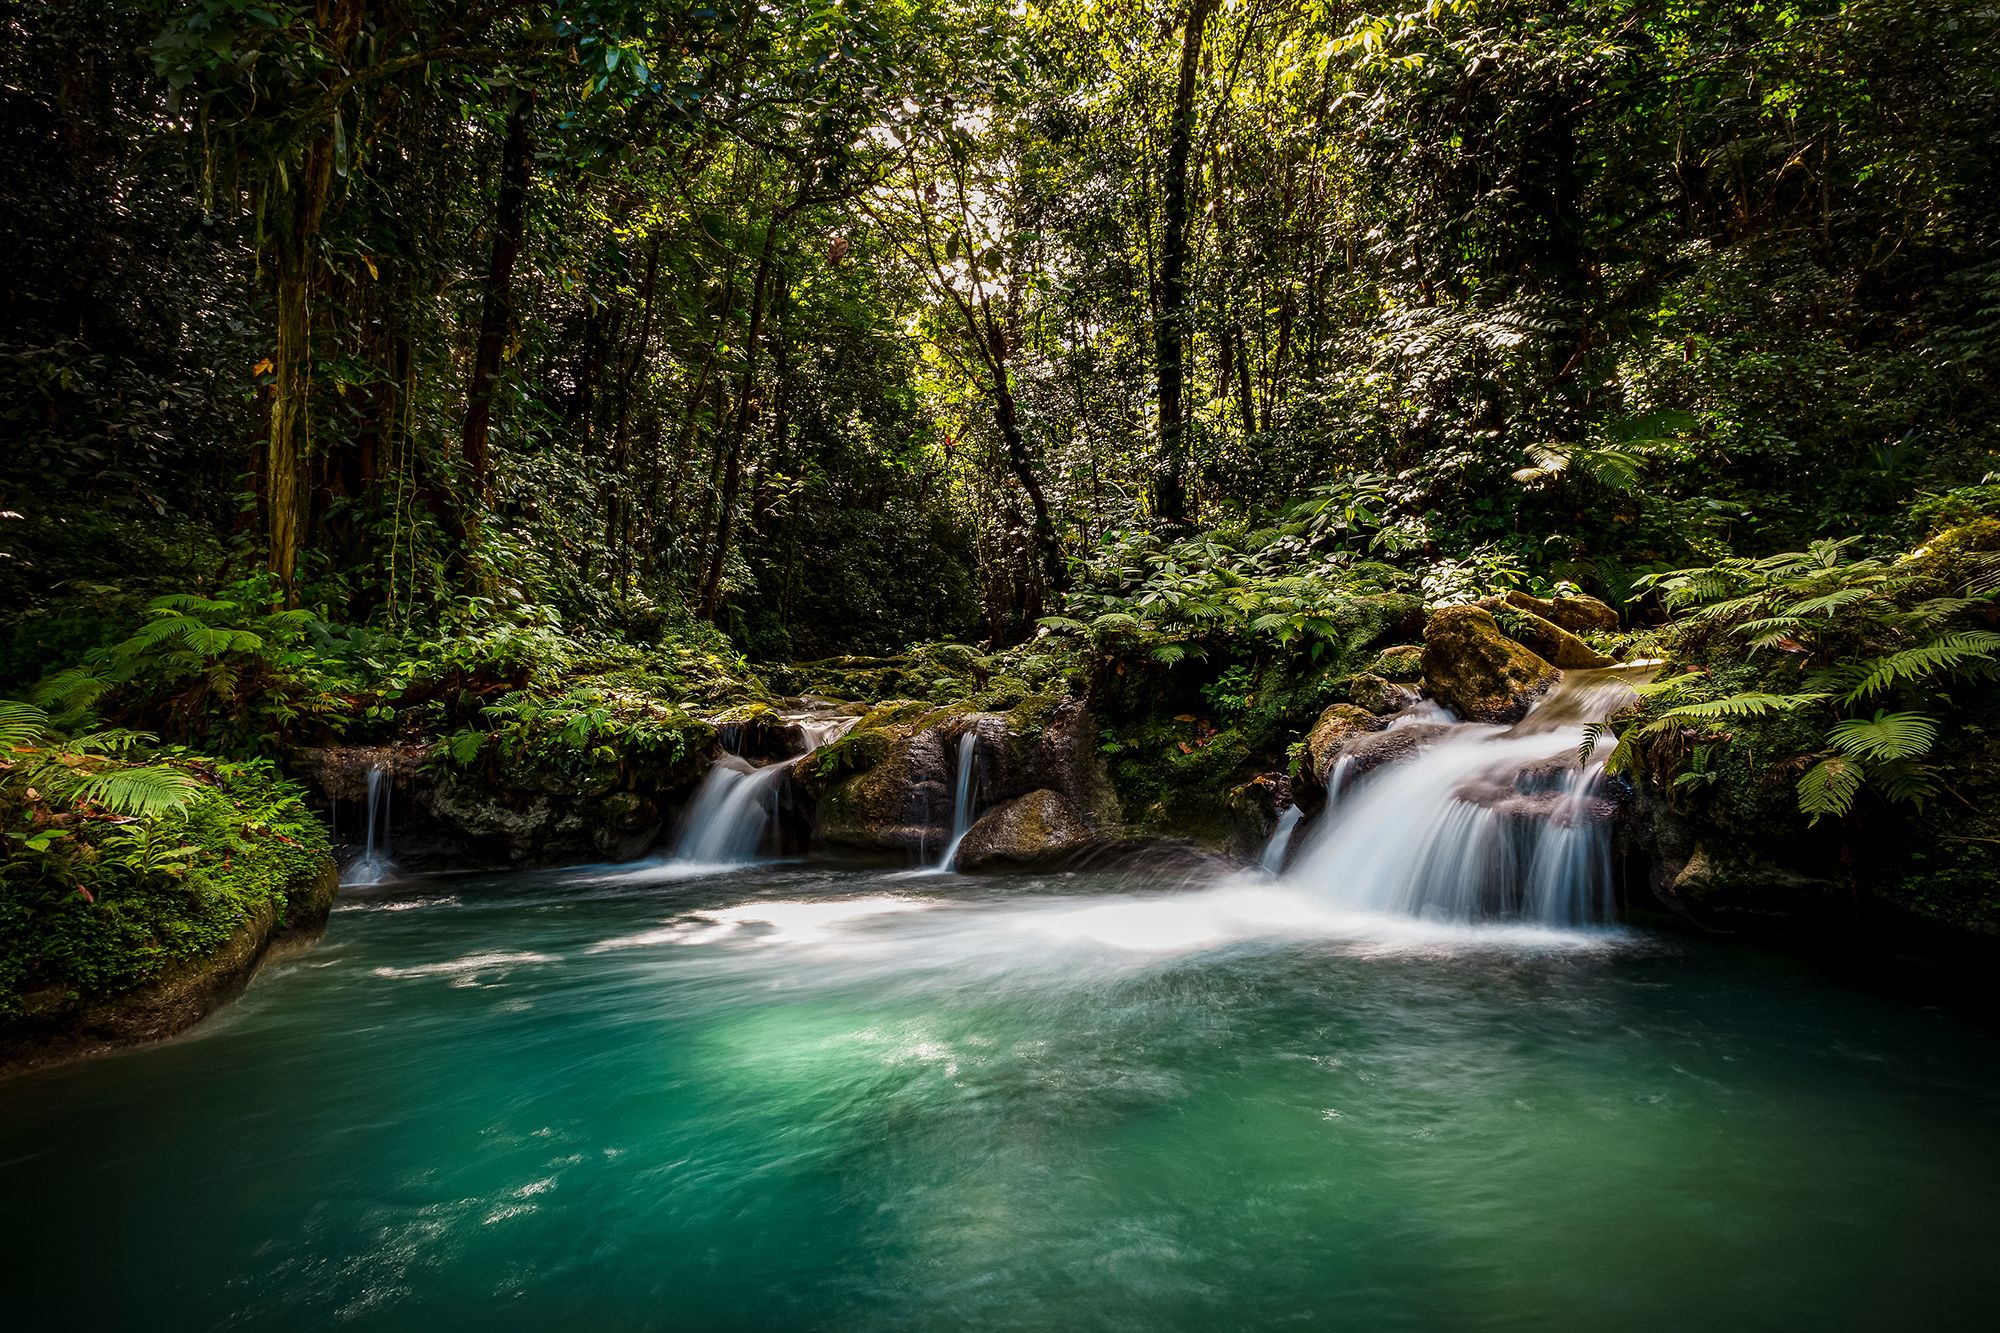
{"x":1886,"y":736}
{"x":190,"y":602}
{"x":143,"y":791}
{"x":1829,"y":788}
{"x":70,"y":689}
{"x":1904,"y":782}
{"x":1736,"y":705}
{"x":1948,"y":653}
{"x":1833,"y":601}
{"x":21,"y":725}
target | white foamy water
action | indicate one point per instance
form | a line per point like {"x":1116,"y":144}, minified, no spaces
{"x":1482,"y":822}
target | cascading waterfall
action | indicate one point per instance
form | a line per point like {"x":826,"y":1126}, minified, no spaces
{"x":374,"y":865}
{"x":1273,"y":858}
{"x":961,"y":810}
{"x":733,"y":809}
{"x":1483,"y":821}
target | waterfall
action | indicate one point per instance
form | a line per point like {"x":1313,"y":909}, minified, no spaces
{"x":374,"y":866}
{"x":961,"y":810}
{"x":734,"y":808}
{"x":1273,"y":858}
{"x":1480,"y":822}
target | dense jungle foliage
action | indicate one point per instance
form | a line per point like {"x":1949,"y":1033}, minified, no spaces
{"x":536,"y":379}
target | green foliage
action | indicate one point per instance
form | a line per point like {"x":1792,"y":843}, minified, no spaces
{"x":1846,"y":633}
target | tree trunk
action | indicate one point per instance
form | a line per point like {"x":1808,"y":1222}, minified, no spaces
{"x":288,"y":448}
{"x":1170,"y":498}
{"x":1048,"y":552}
{"x":509,"y":224}
{"x":732,"y":472}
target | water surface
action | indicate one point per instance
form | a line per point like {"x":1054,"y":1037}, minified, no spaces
{"x":800,"y":1098}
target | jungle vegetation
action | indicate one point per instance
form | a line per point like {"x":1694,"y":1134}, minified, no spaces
{"x":369,"y":365}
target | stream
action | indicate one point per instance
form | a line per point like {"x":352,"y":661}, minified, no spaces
{"x":788,"y":1096}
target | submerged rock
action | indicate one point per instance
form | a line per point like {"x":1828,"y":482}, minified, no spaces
{"x":1478,"y":672}
{"x":1038,"y":829}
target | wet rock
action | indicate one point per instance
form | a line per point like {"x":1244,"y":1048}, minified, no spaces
{"x":340,"y":772}
{"x":890,"y":784}
{"x":626,"y":825}
{"x":1330,"y":733}
{"x":1038,"y":829}
{"x":1379,"y":696}
{"x":899,"y":803}
{"x":1476,"y":671}
{"x":1578,"y":614}
{"x":1365,"y":753}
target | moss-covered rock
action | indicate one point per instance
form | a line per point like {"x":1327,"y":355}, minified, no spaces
{"x":1041,"y":828}
{"x":1545,"y":638}
{"x":109,"y":947}
{"x":1579,"y":614}
{"x":1403,"y":664}
{"x":1379,"y":696}
{"x":1476,"y":671}
{"x":1329,"y":733}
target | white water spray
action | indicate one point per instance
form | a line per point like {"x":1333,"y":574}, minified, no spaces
{"x":1273,"y":858}
{"x":1481,"y":822}
{"x":730,"y":817}
{"x":374,"y":865}
{"x":961,"y":810}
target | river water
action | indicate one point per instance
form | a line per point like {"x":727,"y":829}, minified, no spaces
{"x":797,"y":1098}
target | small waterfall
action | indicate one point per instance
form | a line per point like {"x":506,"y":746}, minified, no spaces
{"x":1481,"y":822}
{"x":730,"y":817}
{"x":1273,"y":858}
{"x":374,"y":866}
{"x":968,"y":792}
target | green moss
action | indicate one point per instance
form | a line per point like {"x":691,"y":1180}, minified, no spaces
{"x":249,"y":843}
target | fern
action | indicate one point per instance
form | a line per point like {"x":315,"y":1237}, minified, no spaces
{"x":1829,"y":788}
{"x":1750,"y":704}
{"x":1948,"y":653}
{"x":1886,"y":736}
{"x":144,"y":791}
{"x":21,"y":725}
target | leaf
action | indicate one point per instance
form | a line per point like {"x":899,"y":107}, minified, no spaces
{"x":1948,"y":653}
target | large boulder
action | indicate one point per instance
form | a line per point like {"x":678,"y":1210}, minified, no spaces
{"x":1546,"y":639}
{"x":1038,"y":829}
{"x":1578,"y":614}
{"x":890,"y":791}
{"x":1476,"y":671}
{"x":889,"y":785}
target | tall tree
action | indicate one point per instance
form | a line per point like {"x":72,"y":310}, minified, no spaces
{"x":1170,"y":490}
